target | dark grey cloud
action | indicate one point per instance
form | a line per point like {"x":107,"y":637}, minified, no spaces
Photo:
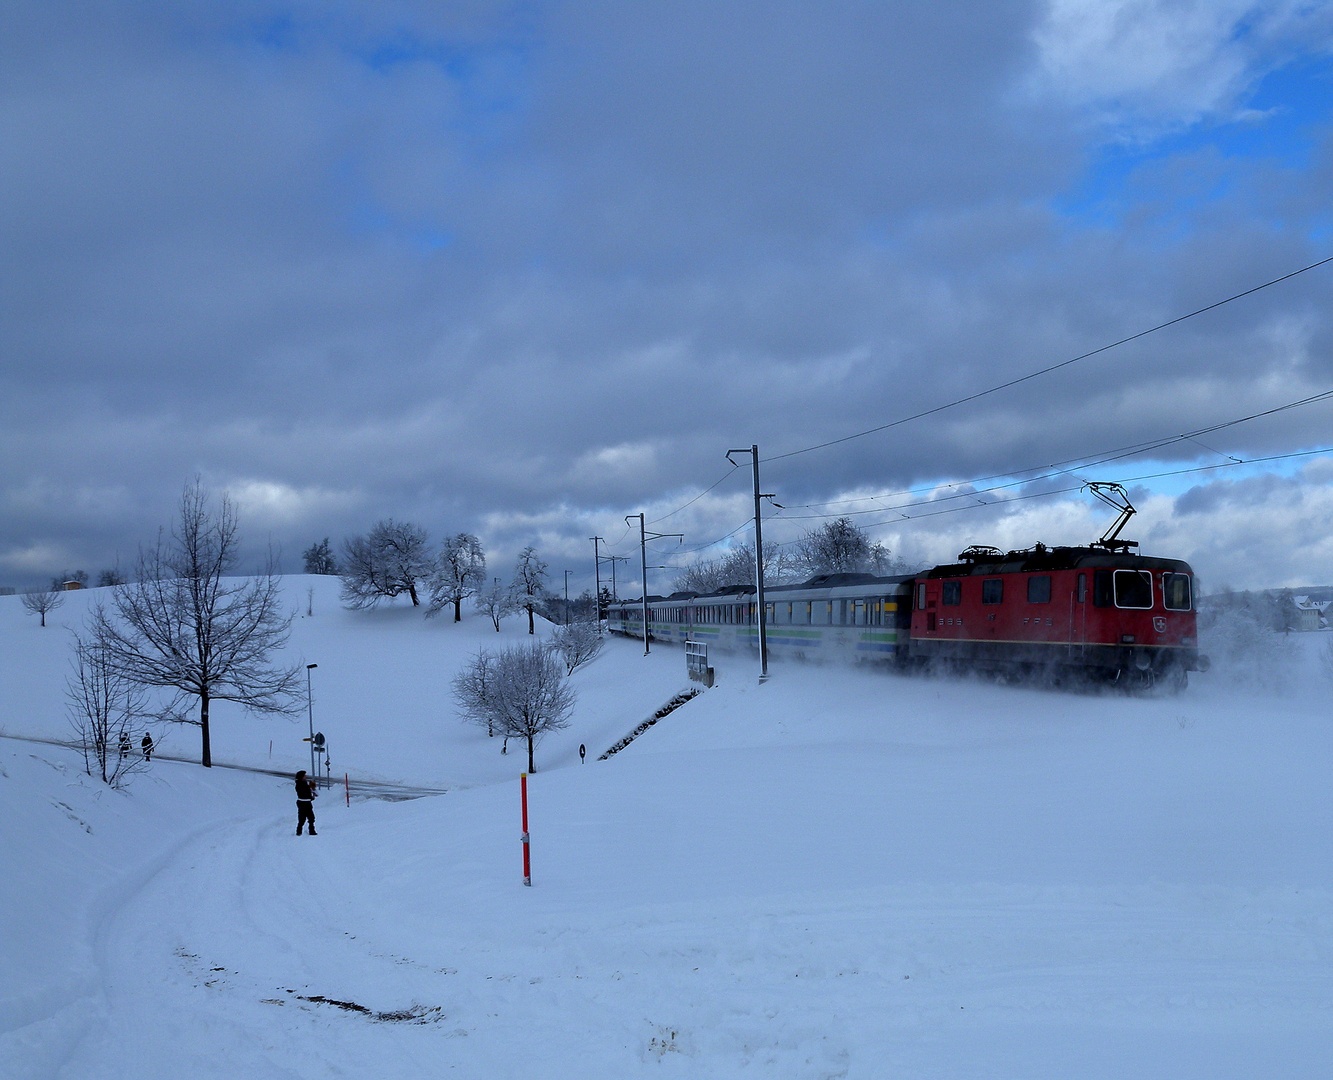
{"x":527,"y":268}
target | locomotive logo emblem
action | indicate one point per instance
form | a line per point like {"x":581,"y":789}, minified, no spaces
{"x":1159,"y":624}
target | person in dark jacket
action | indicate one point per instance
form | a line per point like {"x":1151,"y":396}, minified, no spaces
{"x":146,"y":745}
{"x":305,"y":806}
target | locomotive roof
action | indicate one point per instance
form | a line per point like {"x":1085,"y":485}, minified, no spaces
{"x":1056,"y":558}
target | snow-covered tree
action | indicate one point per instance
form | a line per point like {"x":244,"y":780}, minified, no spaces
{"x":387,"y":562}
{"x":577,"y":643}
{"x":528,"y":585}
{"x":841,"y":547}
{"x":188,"y":625}
{"x":319,"y":558}
{"x":735,"y":567}
{"x":104,"y":707}
{"x":40,"y":601}
{"x":521,"y":692}
{"x":459,"y":573}
{"x":495,"y":600}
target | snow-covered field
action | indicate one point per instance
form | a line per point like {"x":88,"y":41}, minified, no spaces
{"x":839,"y":873}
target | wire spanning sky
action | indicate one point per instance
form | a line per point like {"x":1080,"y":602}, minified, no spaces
{"x":525,"y":268}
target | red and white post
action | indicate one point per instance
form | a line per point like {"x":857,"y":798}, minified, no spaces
{"x":527,"y":864}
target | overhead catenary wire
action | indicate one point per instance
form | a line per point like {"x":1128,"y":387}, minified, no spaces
{"x":1000,"y":386}
{"x":1050,"y":367}
{"x":1055,"y":469}
{"x":1078,"y":487}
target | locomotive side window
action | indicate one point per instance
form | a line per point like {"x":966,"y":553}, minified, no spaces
{"x":1176,"y":591}
{"x":992,"y":591}
{"x":1101,"y":588}
{"x":921,"y":597}
{"x":1082,"y":588}
{"x":1039,"y":589}
{"x":1133,"y":589}
{"x":953,"y":594}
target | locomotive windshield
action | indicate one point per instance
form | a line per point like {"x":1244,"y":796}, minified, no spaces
{"x":1133,"y":589}
{"x":1176,"y":591}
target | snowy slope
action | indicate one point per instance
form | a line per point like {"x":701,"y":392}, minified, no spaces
{"x":839,"y":873}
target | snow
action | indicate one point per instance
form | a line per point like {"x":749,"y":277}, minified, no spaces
{"x":838,"y":873}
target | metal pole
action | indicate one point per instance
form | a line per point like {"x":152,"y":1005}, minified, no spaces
{"x":597,"y":580}
{"x":644,"y":537}
{"x":759,"y":571}
{"x":566,"y":597}
{"x":762,"y":608}
{"x":643,"y":558}
{"x":310,"y":715}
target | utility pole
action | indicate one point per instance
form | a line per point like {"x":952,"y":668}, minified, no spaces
{"x":761,"y":608}
{"x":597,"y":581}
{"x":613,"y":559}
{"x":644,"y":537}
{"x":566,"y":597}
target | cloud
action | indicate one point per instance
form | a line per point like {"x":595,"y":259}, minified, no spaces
{"x":523,"y":270}
{"x":1169,"y":62}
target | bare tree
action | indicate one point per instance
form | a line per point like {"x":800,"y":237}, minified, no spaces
{"x":472,"y":688}
{"x":495,"y":600}
{"x":521,"y":691}
{"x":529,"y":583}
{"x":389,"y":561}
{"x":577,"y":643}
{"x":736,"y":567}
{"x":186,"y":625}
{"x":40,"y":601}
{"x":319,"y":558}
{"x":103,"y":708}
{"x":458,"y":574}
{"x":110,"y":577}
{"x":842,"y":547}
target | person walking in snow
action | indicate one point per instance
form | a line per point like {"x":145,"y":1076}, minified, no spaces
{"x":305,"y":806}
{"x":124,"y":745}
{"x":146,"y":745}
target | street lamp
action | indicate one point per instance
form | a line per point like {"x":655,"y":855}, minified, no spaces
{"x":310,"y":715}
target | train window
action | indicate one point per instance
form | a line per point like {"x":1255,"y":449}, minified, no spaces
{"x":1101,"y":588}
{"x":992,"y":591}
{"x":1082,"y":588}
{"x":1133,"y":589}
{"x":952,"y":594}
{"x":1039,"y":589}
{"x":1176,"y":591}
{"x":921,"y":597}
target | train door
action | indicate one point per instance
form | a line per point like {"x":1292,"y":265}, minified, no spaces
{"x":1078,"y":615}
{"x":929,"y":590}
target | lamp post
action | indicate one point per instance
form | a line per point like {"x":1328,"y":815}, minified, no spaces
{"x":566,"y":597}
{"x":310,"y":715}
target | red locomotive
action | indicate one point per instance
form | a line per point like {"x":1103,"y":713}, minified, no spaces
{"x":1098,"y":609}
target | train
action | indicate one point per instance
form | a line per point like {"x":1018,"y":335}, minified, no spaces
{"x":1086,"y":613}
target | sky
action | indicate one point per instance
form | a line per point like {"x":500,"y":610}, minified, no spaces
{"x":523,"y":269}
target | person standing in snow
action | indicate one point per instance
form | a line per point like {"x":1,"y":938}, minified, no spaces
{"x":305,"y":806}
{"x":146,"y":745}
{"x":124,"y":745}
